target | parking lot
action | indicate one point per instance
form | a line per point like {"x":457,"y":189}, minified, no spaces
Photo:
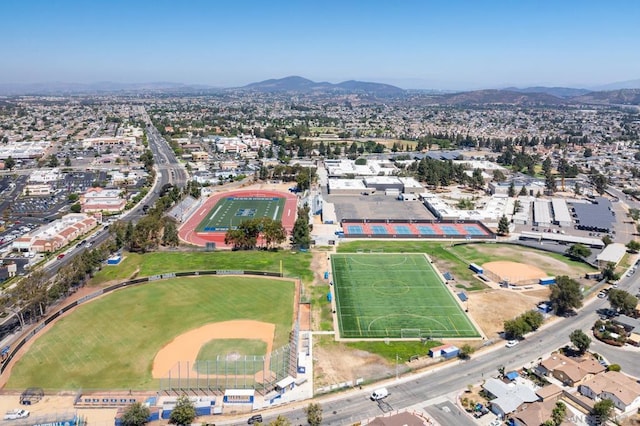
{"x":377,"y":206}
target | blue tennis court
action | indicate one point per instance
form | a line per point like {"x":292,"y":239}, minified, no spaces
{"x":426,"y":230}
{"x":402,"y":229}
{"x":355,"y":229}
{"x":379,"y":230}
{"x":449,"y":230}
{"x":473,"y":230}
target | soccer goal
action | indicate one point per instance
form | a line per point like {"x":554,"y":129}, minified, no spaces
{"x":410,"y":333}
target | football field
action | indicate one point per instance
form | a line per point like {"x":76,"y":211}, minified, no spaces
{"x":395,"y":296}
{"x":229,"y":212}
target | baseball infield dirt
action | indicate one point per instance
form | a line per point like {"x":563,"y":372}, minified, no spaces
{"x":186,"y":346}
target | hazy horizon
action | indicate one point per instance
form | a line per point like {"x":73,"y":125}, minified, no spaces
{"x":412,"y":45}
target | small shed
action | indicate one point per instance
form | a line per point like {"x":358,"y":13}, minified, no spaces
{"x":288,"y":383}
{"x":512,"y":375}
{"x":450,"y":352}
{"x":462,"y":296}
{"x":437,"y":351}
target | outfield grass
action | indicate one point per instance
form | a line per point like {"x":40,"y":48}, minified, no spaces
{"x":378,"y":295}
{"x":219,"y":356}
{"x":294,"y":264}
{"x":229,"y":212}
{"x":110,"y":343}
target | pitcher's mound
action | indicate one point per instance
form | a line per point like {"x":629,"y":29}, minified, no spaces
{"x":514,"y":272}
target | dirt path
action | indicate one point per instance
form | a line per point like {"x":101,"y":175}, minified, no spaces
{"x":185,"y":347}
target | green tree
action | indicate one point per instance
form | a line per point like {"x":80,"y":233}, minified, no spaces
{"x":280,"y":421}
{"x":614,"y":367}
{"x":602,"y":411}
{"x":622,"y":301}
{"x":9,"y":163}
{"x":609,"y":272}
{"x":184,"y":413}
{"x":558,"y":413}
{"x":503,"y":226}
{"x":136,"y":414}
{"x":465,"y":351}
{"x":301,"y":235}
{"x":580,"y":340}
{"x":67,"y":161}
{"x":516,"y":328}
{"x":523,"y":191}
{"x":511,"y":192}
{"x":53,"y":161}
{"x":588,"y":152}
{"x":498,"y":176}
{"x":76,"y":208}
{"x":273,"y":232}
{"x":633,"y":246}
{"x":565,"y":294}
{"x":170,"y":234}
{"x":607,"y":240}
{"x":73,"y":197}
{"x":533,"y":318}
{"x":314,"y":414}
{"x":578,"y":251}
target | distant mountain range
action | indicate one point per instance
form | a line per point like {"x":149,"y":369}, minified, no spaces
{"x":301,"y":84}
{"x":623,"y":93}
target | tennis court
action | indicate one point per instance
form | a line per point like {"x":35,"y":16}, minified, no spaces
{"x":395,"y":296}
{"x":229,"y":212}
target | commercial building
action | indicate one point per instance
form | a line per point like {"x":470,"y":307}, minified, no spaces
{"x":102,"y":143}
{"x":56,"y":234}
{"x":37,"y":190}
{"x":24,"y":150}
{"x":102,"y":200}
{"x":45,"y":176}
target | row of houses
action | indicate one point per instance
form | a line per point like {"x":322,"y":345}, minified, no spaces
{"x":579,"y":381}
{"x":55,"y":235}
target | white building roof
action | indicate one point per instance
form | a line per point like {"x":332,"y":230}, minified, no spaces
{"x":561,"y":210}
{"x":612,"y":253}
{"x":541,"y":212}
{"x":346,"y":184}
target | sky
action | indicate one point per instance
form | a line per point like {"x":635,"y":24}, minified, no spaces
{"x":443,"y":44}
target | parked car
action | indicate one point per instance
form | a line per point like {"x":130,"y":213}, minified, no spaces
{"x":511,"y":343}
{"x":256,"y":418}
{"x":16,"y":414}
{"x":61,"y":255}
{"x":602,"y":295}
{"x":379,"y":394}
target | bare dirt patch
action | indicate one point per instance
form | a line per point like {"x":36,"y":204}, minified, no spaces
{"x":336,"y":364}
{"x":515,"y":272}
{"x":185,"y":347}
{"x":531,"y":257}
{"x":490,"y":308}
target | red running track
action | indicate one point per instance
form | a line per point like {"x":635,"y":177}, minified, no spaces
{"x":187,"y":231}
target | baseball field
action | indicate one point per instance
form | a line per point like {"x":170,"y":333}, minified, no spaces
{"x":111,"y":343}
{"x":395,"y":296}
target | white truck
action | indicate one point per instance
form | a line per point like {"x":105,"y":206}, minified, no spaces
{"x":379,"y":394}
{"x":16,"y":414}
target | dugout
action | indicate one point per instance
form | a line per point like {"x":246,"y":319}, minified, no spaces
{"x":31,"y":396}
{"x":239,"y":396}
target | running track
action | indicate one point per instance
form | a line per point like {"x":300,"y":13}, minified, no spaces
{"x":187,"y":231}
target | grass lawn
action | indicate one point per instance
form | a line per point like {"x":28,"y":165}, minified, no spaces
{"x":110,"y":343}
{"x":293,"y":264}
{"x":404,"y":350}
{"x":379,"y":295}
{"x":219,"y":356}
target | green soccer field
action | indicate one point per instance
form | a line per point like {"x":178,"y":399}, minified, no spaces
{"x":395,"y":296}
{"x":229,"y":212}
